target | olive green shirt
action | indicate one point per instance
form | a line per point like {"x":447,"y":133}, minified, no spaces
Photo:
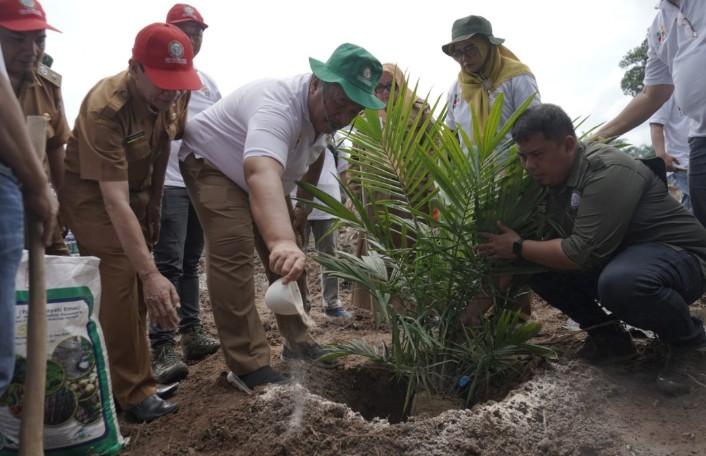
{"x":611,"y":201}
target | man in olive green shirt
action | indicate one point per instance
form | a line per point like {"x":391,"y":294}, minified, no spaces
{"x":626,"y":251}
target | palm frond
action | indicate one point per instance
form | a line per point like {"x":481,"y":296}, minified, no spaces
{"x":421,"y":199}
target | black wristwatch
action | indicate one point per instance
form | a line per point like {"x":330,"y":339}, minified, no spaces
{"x":517,"y":247}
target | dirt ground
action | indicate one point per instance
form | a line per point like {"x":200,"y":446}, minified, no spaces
{"x":565,"y":407}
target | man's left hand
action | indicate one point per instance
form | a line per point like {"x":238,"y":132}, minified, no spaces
{"x":300,"y":219}
{"x":154,"y":219}
{"x":499,"y":246}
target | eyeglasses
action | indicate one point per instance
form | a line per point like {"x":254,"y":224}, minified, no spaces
{"x":468,"y":52}
{"x":381,"y":88}
{"x":690,"y":32}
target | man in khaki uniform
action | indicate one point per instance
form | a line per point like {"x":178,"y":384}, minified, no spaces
{"x":111,"y":197}
{"x":23,"y":28}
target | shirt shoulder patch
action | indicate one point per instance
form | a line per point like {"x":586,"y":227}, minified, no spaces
{"x":48,"y":74}
{"x":115,"y":104}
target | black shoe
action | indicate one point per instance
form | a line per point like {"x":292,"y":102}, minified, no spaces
{"x":311,"y":353}
{"x":165,"y":392}
{"x":150,"y":409}
{"x":608,"y":345}
{"x":259,"y":377}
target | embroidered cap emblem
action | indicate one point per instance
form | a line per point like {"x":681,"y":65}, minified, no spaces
{"x":176,"y":49}
{"x":367,"y":73}
{"x":365,"y":76}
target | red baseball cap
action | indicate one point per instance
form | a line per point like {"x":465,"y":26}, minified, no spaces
{"x":167,"y":56}
{"x":23,"y":16}
{"x":181,"y":12}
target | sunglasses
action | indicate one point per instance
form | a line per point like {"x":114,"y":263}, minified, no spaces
{"x":381,"y":88}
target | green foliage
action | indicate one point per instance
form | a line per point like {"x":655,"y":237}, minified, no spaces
{"x":421,"y":200}
{"x":643,"y":151}
{"x":635,"y":61}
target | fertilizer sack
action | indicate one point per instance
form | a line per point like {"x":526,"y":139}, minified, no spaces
{"x":79,"y":415}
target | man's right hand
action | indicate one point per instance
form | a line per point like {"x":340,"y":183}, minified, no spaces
{"x":162,"y":300}
{"x":45,"y":207}
{"x":287,"y":260}
{"x":671,"y":162}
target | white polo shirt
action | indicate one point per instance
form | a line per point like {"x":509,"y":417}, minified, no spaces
{"x":676,"y":130}
{"x":679,"y":57}
{"x":201,"y":99}
{"x":516,"y":91}
{"x":265,"y":118}
{"x":327,"y":180}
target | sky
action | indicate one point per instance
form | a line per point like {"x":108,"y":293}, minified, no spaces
{"x":573,"y":47}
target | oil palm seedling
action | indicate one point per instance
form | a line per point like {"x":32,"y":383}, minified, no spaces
{"x":420,"y":199}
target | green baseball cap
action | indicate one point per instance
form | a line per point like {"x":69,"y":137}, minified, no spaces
{"x":355,"y":69}
{"x":467,"y":27}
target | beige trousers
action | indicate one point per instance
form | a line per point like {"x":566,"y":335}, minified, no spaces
{"x":123,"y":313}
{"x":231,"y":238}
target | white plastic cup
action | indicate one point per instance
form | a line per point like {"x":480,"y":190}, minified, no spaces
{"x":284,"y":299}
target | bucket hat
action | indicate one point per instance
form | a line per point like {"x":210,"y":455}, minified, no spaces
{"x":23,"y":16}
{"x":166,"y":54}
{"x":469,"y":26}
{"x":355,"y":69}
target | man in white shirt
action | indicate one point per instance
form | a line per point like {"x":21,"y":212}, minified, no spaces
{"x":322,"y":225}
{"x":669,"y":130}
{"x":180,"y":243}
{"x":676,"y":56}
{"x":240,"y":160}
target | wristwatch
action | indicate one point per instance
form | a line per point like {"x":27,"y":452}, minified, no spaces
{"x":303,"y":206}
{"x":517,"y":247}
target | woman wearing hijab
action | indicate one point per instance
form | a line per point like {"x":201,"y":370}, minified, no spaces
{"x":487,"y":69}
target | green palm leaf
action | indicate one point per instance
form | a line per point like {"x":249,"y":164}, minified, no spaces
{"x":421,"y":200}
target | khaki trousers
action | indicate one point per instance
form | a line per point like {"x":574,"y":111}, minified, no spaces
{"x":123,"y":314}
{"x":231,"y":237}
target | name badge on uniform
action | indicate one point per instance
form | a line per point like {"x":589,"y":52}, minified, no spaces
{"x":133,"y":137}
{"x":575,"y":200}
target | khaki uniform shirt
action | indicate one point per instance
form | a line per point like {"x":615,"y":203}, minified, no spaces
{"x":117,"y":137}
{"x":611,"y":201}
{"x":40,"y":95}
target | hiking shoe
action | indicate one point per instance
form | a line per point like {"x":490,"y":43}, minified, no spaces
{"x":338,"y":312}
{"x":312,"y":353}
{"x":166,"y":365}
{"x":197,"y":343}
{"x":684,"y":368}
{"x":608,"y":345}
{"x":265,"y":375}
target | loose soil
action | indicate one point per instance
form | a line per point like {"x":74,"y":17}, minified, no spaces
{"x":563,"y":407}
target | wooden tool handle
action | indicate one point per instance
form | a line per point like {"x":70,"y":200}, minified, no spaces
{"x":32,"y":424}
